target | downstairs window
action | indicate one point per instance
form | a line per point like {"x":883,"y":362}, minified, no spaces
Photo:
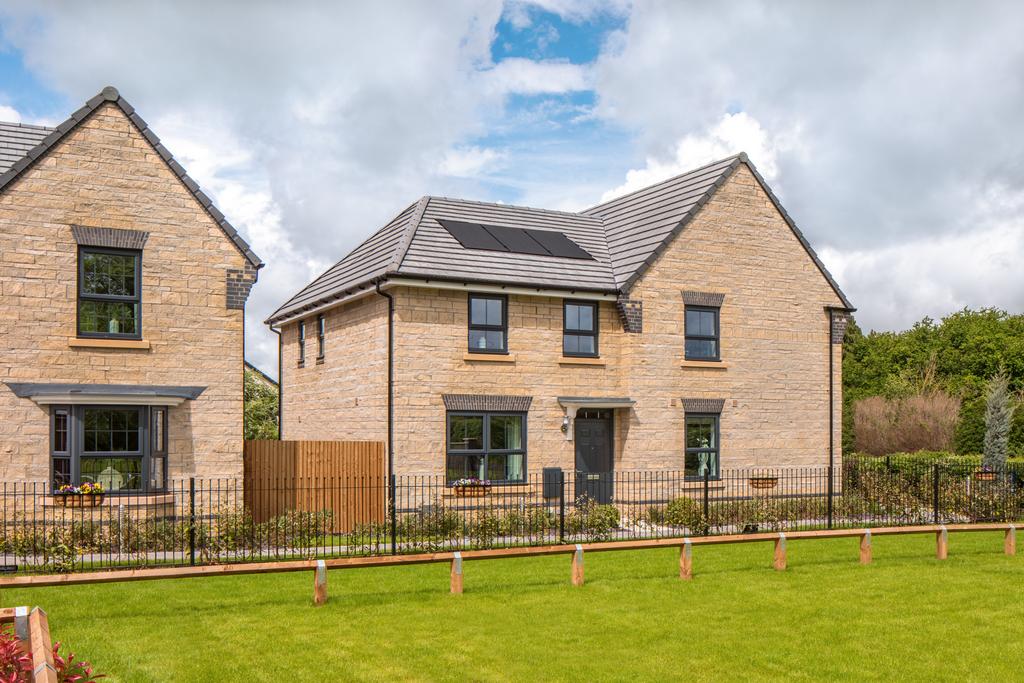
{"x":487,"y":446}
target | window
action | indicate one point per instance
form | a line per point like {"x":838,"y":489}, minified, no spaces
{"x":701,"y":333}
{"x":490,"y":446}
{"x":320,"y":333}
{"x":701,"y":446}
{"x":302,"y":343}
{"x":579,"y":328}
{"x":109,"y":293}
{"x":488,"y":323}
{"x":123,"y":448}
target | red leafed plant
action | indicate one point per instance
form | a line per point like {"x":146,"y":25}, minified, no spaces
{"x":71,"y":671}
{"x":16,"y":664}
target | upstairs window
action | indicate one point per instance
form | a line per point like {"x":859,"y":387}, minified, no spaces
{"x":579,"y":328}
{"x":109,"y":293}
{"x":488,"y":323}
{"x":302,"y":343}
{"x":320,"y":337}
{"x":702,"y":333}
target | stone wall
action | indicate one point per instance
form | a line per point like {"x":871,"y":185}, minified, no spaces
{"x":105,"y":174}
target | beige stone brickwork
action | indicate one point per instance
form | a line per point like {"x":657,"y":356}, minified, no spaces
{"x":105,"y":174}
{"x":773,"y":376}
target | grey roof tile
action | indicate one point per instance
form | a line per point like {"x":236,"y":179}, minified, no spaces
{"x":624,"y":235}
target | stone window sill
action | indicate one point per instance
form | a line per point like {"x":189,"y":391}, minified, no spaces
{"x":489,"y":357}
{"x":705,"y":364}
{"x":583,"y":360}
{"x":86,"y":343}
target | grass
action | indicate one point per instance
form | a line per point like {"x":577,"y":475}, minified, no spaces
{"x":907,"y":616}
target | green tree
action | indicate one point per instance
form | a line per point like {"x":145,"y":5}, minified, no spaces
{"x":260,"y":408}
{"x":998,"y":421}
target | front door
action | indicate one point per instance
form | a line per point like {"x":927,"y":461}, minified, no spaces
{"x":593,"y":436}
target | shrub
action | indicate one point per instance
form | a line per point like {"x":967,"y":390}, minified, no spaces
{"x":15,"y":663}
{"x":686,"y":512}
{"x":926,"y":421}
{"x":529,"y":521}
{"x":592,"y":520}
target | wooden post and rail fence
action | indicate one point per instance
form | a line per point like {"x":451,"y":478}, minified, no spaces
{"x":575,"y":552}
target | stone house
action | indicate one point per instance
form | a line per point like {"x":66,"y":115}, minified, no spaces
{"x":122,"y":311}
{"x":685,"y":327}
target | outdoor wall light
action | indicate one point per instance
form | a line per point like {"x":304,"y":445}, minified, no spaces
{"x":565,"y":424}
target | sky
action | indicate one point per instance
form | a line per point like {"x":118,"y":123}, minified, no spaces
{"x":890,"y":131}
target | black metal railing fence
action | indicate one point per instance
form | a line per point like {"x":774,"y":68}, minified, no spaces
{"x":213,"y":521}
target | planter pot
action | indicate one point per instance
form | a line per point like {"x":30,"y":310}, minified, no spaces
{"x":472,"y":491}
{"x":982,"y":475}
{"x":763,"y":483}
{"x":76,"y":500}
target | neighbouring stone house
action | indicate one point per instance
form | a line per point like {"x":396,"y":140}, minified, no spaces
{"x":122,"y":310}
{"x":687,"y":326}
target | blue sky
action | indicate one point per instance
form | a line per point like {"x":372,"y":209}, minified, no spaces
{"x":312,"y":124}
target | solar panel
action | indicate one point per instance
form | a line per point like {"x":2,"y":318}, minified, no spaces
{"x":517,"y":240}
{"x":472,"y":235}
{"x":514,"y":240}
{"x":558,"y":244}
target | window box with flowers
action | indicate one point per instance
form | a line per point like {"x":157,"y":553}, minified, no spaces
{"x":471,"y":487}
{"x":88,"y":495}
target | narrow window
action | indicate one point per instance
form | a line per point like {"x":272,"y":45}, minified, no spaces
{"x":701,"y":446}
{"x":702,"y":333}
{"x":158,"y":449}
{"x":60,"y":446}
{"x":488,"y":323}
{"x":486,"y":446}
{"x":320,"y":334}
{"x":302,"y":343}
{"x":579,"y":328}
{"x":109,"y":293}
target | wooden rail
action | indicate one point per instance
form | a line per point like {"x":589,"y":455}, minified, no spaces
{"x":577,"y":551}
{"x":33,"y":630}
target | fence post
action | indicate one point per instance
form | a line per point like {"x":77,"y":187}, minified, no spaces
{"x":192,"y":520}
{"x":394,"y":515}
{"x":707,"y":507}
{"x":561,"y":506}
{"x":831,"y":493}
{"x":935,"y":492}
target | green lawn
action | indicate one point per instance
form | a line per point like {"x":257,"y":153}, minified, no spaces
{"x":908,"y":616}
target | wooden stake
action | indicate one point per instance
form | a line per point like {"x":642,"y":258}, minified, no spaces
{"x":865,"y":547}
{"x":942,"y":543}
{"x":43,"y":670}
{"x":686,"y":560}
{"x":457,"y":574}
{"x":780,"y":552}
{"x":577,"y":566}
{"x":1010,"y":544}
{"x":320,"y":583}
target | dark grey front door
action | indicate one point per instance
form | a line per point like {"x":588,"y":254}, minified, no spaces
{"x":593,"y":436}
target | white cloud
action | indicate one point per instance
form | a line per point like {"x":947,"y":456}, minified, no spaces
{"x":9,"y":114}
{"x":527,"y":77}
{"x":467,"y":162}
{"x":733,"y":134}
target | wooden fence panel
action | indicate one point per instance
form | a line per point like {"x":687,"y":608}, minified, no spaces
{"x":347,"y":478}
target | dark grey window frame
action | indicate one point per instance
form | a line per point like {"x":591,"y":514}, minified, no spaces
{"x":487,"y":328}
{"x":717,"y":337}
{"x":148,"y":451}
{"x":321,"y":341}
{"x":485,"y":440}
{"x":717,"y":450}
{"x":109,"y":298}
{"x":302,"y":343}
{"x":593,"y":305}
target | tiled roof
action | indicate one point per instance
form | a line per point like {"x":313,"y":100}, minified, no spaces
{"x":624,"y":235}
{"x":33,"y":142}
